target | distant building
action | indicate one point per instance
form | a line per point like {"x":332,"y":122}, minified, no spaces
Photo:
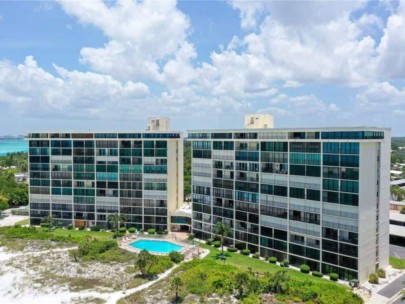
{"x":81,"y":177}
{"x":314,"y":196}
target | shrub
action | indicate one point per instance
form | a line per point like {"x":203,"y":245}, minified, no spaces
{"x":163,"y":264}
{"x":132,"y":230}
{"x":191,"y":236}
{"x":176,"y":257}
{"x":305,"y":268}
{"x":91,"y":250}
{"x":209,"y":241}
{"x":240,"y":246}
{"x":82,"y":228}
{"x":151,"y":231}
{"x":317,"y":274}
{"x":286,"y":263}
{"x":256,"y":256}
{"x":70,"y":227}
{"x":373,"y":278}
{"x":245,"y":251}
{"x":217,"y":244}
{"x":273,"y":260}
{"x":122,"y":230}
{"x":60,"y":224}
{"x":232,"y":249}
{"x":333,"y":276}
{"x":381,"y":273}
{"x":95,"y":228}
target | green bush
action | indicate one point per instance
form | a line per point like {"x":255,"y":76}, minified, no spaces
{"x":317,"y":274}
{"x":245,"y":251}
{"x":95,"y":228}
{"x":70,"y":227}
{"x":273,"y":260}
{"x":240,"y":246}
{"x":256,"y":256}
{"x":132,"y":230}
{"x":122,"y":230}
{"x":333,"y":276}
{"x":232,"y":249}
{"x":209,"y":241}
{"x":163,"y":264}
{"x":381,"y":273}
{"x":373,"y":278}
{"x":191,"y":236}
{"x":151,"y":231}
{"x":217,"y":244}
{"x":91,"y":250}
{"x":285,"y":263}
{"x":305,"y":268}
{"x":176,"y":256}
{"x":82,"y":228}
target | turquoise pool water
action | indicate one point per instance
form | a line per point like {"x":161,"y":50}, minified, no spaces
{"x":156,"y":246}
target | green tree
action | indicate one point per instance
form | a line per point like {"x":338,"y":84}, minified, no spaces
{"x":279,"y":282}
{"x":223,"y":230}
{"x":241,"y":281}
{"x":3,"y":204}
{"x":115,"y":220}
{"x":176,"y":285}
{"x":144,"y":261}
{"x":46,"y":222}
{"x":397,"y":193}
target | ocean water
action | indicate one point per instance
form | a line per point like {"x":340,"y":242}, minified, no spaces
{"x":9,"y":146}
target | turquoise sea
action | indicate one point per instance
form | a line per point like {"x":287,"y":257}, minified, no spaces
{"x":9,"y":146}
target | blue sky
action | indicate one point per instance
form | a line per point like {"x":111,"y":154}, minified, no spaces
{"x":94,"y":65}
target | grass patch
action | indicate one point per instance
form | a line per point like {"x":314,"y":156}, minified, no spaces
{"x":397,"y":263}
{"x":246,"y":263}
{"x":23,"y":222}
{"x":82,"y":234}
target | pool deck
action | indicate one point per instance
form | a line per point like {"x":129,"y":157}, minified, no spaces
{"x":189,"y":251}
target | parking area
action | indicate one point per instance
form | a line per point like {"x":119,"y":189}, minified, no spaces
{"x":397,"y":251}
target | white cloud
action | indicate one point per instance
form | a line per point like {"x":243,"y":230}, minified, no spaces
{"x":141,"y":36}
{"x":30,"y":89}
{"x":381,"y":95}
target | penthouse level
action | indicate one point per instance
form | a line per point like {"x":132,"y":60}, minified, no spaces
{"x":80,"y":178}
{"x":317,"y":196}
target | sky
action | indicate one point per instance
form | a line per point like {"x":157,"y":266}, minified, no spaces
{"x":97,"y":65}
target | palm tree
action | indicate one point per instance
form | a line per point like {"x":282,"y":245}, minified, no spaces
{"x":223,"y":230}
{"x":115,"y":220}
{"x":177,"y":283}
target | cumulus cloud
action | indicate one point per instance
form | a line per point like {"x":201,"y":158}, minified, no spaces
{"x":141,"y":34}
{"x":29,"y":88}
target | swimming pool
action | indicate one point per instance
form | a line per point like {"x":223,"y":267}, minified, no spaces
{"x":156,"y":246}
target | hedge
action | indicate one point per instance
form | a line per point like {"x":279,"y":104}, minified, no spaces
{"x":232,"y":249}
{"x":132,"y":230}
{"x":333,"y":276}
{"x":373,"y":278}
{"x":122,"y":229}
{"x":209,"y":241}
{"x":273,"y":260}
{"x":217,"y":244}
{"x":305,"y":268}
{"x":151,"y":231}
{"x":245,"y":251}
{"x":381,"y":273}
{"x":317,"y":274}
{"x":240,"y":246}
{"x":256,"y":256}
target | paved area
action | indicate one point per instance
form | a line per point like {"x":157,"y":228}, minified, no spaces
{"x":393,"y":288}
{"x":397,"y":251}
{"x":7,"y":219}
